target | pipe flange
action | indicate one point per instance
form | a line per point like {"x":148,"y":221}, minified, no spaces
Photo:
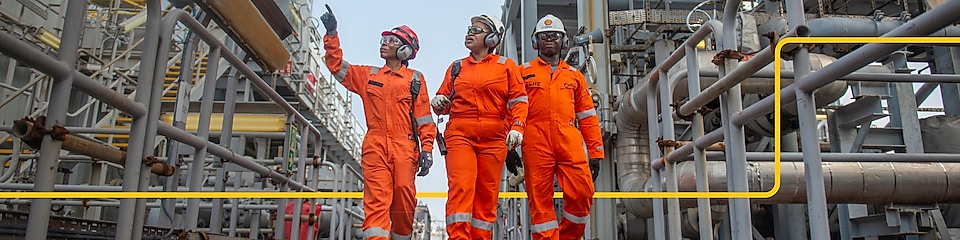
{"x":726,"y":54}
{"x":59,"y":133}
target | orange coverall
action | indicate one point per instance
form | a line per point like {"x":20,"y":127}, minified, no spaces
{"x":489,"y":102}
{"x":554,"y":146}
{"x":389,"y":154}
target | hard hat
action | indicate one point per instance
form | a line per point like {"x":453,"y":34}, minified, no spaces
{"x":411,"y":43}
{"x":549,"y":23}
{"x":493,"y":39}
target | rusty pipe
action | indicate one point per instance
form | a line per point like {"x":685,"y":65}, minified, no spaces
{"x":303,"y":218}
{"x":31,"y":133}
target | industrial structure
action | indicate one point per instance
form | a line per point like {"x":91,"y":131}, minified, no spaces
{"x":684,"y":90}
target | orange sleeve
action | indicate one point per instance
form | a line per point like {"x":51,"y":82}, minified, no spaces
{"x":518,"y":101}
{"x":446,"y":87}
{"x":426,"y":127}
{"x":350,"y":76}
{"x":587,"y":118}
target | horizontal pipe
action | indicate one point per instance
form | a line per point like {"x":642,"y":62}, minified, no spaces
{"x":925,"y":24}
{"x":104,"y":188}
{"x":273,"y":135}
{"x":32,"y":57}
{"x":181,"y":205}
{"x":745,"y":69}
{"x":846,"y":182}
{"x":179,"y":15}
{"x":30,"y":134}
{"x":685,"y":150}
{"x":845,"y":157}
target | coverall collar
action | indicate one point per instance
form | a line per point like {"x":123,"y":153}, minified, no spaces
{"x":402,"y":72}
{"x":560,"y":65}
{"x":489,"y":57}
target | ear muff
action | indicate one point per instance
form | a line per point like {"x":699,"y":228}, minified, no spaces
{"x":405,"y":51}
{"x":492,"y":39}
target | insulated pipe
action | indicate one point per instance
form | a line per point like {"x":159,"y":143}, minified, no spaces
{"x":927,"y":23}
{"x":628,"y":107}
{"x":849,"y":27}
{"x":907,"y":182}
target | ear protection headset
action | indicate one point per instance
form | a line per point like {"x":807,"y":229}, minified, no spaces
{"x":492,"y":39}
{"x":405,"y":51}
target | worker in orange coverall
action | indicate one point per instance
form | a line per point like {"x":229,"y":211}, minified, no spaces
{"x":391,"y":152}
{"x":487,"y":107}
{"x":560,"y":102}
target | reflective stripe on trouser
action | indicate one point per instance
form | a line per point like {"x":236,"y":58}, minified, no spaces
{"x":389,"y":191}
{"x":545,"y":156}
{"x":473,"y":175}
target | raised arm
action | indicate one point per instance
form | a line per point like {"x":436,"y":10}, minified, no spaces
{"x":350,"y":76}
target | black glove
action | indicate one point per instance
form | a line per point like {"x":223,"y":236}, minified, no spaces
{"x":513,"y":161}
{"x":329,"y":21}
{"x":426,"y":161}
{"x":595,"y":168}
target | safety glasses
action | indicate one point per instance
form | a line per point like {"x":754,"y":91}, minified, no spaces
{"x":548,"y":36}
{"x":475,"y":30}
{"x":390,"y":39}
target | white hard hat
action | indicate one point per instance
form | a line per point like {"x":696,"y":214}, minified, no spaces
{"x":492,"y":39}
{"x":549,"y":23}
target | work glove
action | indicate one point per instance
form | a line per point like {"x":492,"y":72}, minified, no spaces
{"x":595,"y":168}
{"x":426,"y":161}
{"x":513,"y":161}
{"x":329,"y":21}
{"x":439,"y":103}
{"x":514,"y":138}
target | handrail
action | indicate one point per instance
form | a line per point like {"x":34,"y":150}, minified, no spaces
{"x":22,"y":90}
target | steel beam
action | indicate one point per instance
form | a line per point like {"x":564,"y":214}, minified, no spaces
{"x":56,"y":115}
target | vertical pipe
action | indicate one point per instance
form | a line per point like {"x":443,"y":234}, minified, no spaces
{"x":813,"y":170}
{"x":282,"y":202}
{"x":666,"y":126}
{"x":181,"y":110}
{"x":528,"y":22}
{"x":314,"y":183}
{"x":654,"y":130}
{"x":705,"y":219}
{"x":740,"y":219}
{"x":226,"y":136}
{"x":301,"y":175}
{"x":255,"y":224}
{"x":235,"y":205}
{"x":56,"y":115}
{"x":216,"y":212}
{"x":203,"y":131}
